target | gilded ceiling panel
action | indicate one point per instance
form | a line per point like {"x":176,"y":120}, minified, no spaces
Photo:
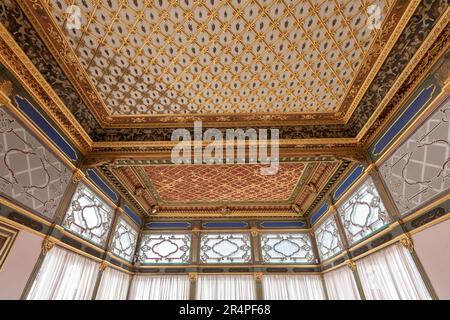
{"x":221,"y":183}
{"x":221,"y":57}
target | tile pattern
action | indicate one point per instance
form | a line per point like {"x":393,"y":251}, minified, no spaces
{"x":29,"y":173}
{"x":419,"y":169}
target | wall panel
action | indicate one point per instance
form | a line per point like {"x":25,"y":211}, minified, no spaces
{"x":432,"y":245}
{"x":19,"y":264}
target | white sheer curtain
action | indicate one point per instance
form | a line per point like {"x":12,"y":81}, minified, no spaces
{"x":226,"y":287}
{"x":113,"y":285}
{"x":159,"y":288}
{"x":341,"y":285}
{"x":64,"y":276}
{"x":293,"y":287}
{"x":391,"y":274}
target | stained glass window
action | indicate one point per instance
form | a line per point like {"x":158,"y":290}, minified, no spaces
{"x":225,"y":248}
{"x":286,"y":248}
{"x":328,"y":239}
{"x":363,"y":212}
{"x":165,"y":248}
{"x":124,"y":241}
{"x":88,"y":216}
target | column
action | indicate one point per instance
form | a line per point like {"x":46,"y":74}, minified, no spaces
{"x":193,"y":277}
{"x":394,"y":213}
{"x":350,"y":263}
{"x":258,"y":276}
{"x":316,"y":254}
{"x":104,"y":264}
{"x":48,"y":244}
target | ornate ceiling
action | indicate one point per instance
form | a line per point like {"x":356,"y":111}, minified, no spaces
{"x":239,"y":186}
{"x":321,"y":72}
{"x":221,"y":57}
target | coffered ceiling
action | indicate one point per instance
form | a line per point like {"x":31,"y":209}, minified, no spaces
{"x":221,"y":57}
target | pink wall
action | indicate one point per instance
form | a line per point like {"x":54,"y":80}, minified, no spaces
{"x":19,"y":264}
{"x":432,"y":245}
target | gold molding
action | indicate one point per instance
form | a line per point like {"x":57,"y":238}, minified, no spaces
{"x":78,"y":176}
{"x":411,"y":66}
{"x":18,"y":63}
{"x":385,"y":50}
{"x":193,"y":276}
{"x":258,"y":276}
{"x":6,"y":88}
{"x":47,"y":245}
{"x":351,"y":264}
{"x":407,"y":242}
{"x":102,"y":266}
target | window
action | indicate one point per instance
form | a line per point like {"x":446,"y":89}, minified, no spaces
{"x":328,"y":239}
{"x":165,"y":248}
{"x":88,"y":216}
{"x":124,"y":241}
{"x":391,"y":274}
{"x":364,"y":212}
{"x":64,"y":275}
{"x":286,"y":248}
{"x":225,"y":248}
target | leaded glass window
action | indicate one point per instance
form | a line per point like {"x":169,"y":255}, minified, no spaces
{"x":328,"y":239}
{"x":88,"y":216}
{"x":165,"y":248}
{"x":286,"y":248}
{"x":124,"y":241}
{"x":225,"y":248}
{"x":363,"y":212}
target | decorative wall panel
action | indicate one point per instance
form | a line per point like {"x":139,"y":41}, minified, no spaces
{"x":165,"y":248}
{"x":29,"y":173}
{"x":286,"y":248}
{"x":88,"y":216}
{"x":419,"y":169}
{"x":225,"y":248}
{"x":328,"y":239}
{"x":363,"y":212}
{"x":124,"y":241}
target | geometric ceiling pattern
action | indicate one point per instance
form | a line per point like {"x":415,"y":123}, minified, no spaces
{"x":215,"y":183}
{"x":227,"y":57}
{"x":231,"y":185}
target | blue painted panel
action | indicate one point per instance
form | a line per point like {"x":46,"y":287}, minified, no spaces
{"x":168,"y":225}
{"x":95,"y":178}
{"x":402,"y":121}
{"x":356,"y":173}
{"x":319,"y":213}
{"x":282,"y":224}
{"x":135,"y":217}
{"x":227,"y":224}
{"x":36,"y":117}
